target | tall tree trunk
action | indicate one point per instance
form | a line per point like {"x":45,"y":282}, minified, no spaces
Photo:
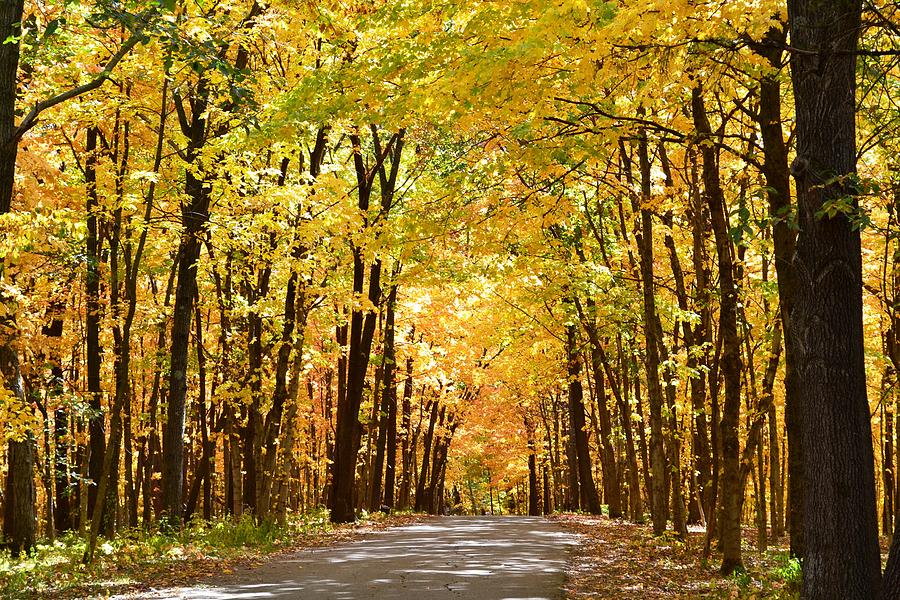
{"x":701,"y":500}
{"x":289,"y":429}
{"x":280,"y":397}
{"x":19,"y":527}
{"x":776,"y":486}
{"x":730,"y":515}
{"x":93,"y":351}
{"x":679,"y":511}
{"x":573,"y":494}
{"x":611,"y":490}
{"x":426,"y":454}
{"x":651,"y":356}
{"x":253,"y":432}
{"x":194,"y":217}
{"x":406,"y":447}
{"x":348,"y":430}
{"x":588,"y":498}
{"x":635,"y":500}
{"x":534,"y":503}
{"x":887,"y":468}
{"x":203,"y":471}
{"x":19,"y":492}
{"x":778,"y":191}
{"x":389,"y":406}
{"x":62,"y":513}
{"x":826,"y":327}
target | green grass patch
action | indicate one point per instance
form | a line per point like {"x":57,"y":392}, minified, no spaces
{"x":137,"y":555}
{"x":776,"y":576}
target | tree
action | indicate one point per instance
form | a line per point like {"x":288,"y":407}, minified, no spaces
{"x":840,"y":526}
{"x":19,"y":525}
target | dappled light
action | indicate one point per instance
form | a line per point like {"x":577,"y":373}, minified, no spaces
{"x":482,"y":558}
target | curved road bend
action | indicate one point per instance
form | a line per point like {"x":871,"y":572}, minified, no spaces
{"x":457,"y":558}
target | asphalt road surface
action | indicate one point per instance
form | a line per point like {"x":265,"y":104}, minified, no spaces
{"x":458,"y":558}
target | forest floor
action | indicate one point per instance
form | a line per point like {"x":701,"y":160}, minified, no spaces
{"x":622,"y":560}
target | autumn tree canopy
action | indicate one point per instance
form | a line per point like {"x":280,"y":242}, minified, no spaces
{"x":629,"y":258}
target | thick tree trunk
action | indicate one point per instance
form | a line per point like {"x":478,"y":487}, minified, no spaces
{"x":11,"y":30}
{"x":19,"y":526}
{"x":348,"y":431}
{"x":840,"y":522}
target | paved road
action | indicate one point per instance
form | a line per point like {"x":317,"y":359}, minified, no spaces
{"x":457,"y":558}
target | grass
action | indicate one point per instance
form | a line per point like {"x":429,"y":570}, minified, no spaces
{"x":136,"y":556}
{"x":771,"y":575}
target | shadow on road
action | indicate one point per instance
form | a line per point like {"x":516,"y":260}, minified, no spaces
{"x":478,"y":558}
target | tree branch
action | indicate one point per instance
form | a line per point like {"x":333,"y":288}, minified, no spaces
{"x":30,"y":119}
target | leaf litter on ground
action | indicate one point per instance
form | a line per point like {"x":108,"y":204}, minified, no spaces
{"x":620,"y":560}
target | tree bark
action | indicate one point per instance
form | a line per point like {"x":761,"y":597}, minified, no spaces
{"x":651,"y":350}
{"x":194,"y":217}
{"x":635,"y":501}
{"x":19,"y":493}
{"x":420,"y":502}
{"x":826,"y":327}
{"x":19,"y":527}
{"x":588,"y":498}
{"x":730,"y":514}
{"x":406,"y":447}
{"x":387,"y":428}
{"x":93,"y":351}
{"x":778,"y":191}
{"x":348,"y":430}
{"x":611,"y":490}
{"x":701,"y":333}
